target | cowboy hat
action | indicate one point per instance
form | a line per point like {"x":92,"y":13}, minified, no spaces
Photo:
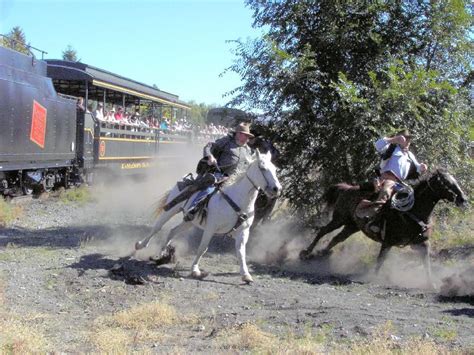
{"x":243,"y":127}
{"x":405,"y":133}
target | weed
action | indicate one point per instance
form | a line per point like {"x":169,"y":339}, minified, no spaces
{"x":20,"y":336}
{"x":446,"y":332}
{"x":8,"y":212}
{"x":135,"y":327}
{"x":453,"y":230}
{"x":80,"y":195}
{"x":248,"y":337}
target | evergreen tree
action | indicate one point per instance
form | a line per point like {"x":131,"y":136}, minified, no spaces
{"x":335,"y":76}
{"x":16,"y":40}
{"x":70,"y":54}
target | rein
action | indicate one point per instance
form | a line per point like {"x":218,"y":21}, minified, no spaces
{"x":251,"y":181}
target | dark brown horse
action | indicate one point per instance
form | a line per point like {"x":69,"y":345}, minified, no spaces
{"x":263,"y":205}
{"x":398,"y":228}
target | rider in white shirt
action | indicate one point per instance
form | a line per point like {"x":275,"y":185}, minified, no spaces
{"x":400,"y":161}
{"x":395,"y":168}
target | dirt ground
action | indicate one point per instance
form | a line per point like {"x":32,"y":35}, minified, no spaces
{"x":62,"y":270}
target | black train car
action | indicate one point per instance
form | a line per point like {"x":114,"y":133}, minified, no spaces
{"x":37,"y":126}
{"x":46,"y":142}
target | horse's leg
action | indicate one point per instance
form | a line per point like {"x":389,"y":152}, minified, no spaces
{"x":180,"y":228}
{"x":334,"y":224}
{"x":423,"y":250}
{"x":346,"y":232}
{"x":240,"y":247}
{"x":167,"y":253}
{"x":206,"y":238}
{"x":160,"y":222}
{"x":384,"y":249}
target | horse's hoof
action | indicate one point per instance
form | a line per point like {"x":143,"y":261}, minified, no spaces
{"x":199,"y":275}
{"x":160,"y":260}
{"x":167,"y":257}
{"x":247,"y":279}
{"x":305,"y":255}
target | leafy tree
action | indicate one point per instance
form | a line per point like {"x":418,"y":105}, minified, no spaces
{"x":16,"y":40}
{"x":70,"y":54}
{"x":199,"y":112}
{"x":336,"y":75}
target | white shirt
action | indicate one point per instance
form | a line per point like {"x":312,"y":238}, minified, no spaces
{"x":99,"y":115}
{"x":399,"y":162}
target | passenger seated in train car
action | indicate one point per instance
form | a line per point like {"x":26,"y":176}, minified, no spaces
{"x":80,"y":104}
{"x":150,"y":122}
{"x":110,"y":116}
{"x":126,"y":118}
{"x":132,"y":121}
{"x":164,"y":126}
{"x":141,"y":122}
{"x":99,"y":112}
{"x":118,"y":116}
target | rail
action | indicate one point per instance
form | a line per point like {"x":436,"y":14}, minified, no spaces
{"x":122,"y":130}
{"x":14,"y":42}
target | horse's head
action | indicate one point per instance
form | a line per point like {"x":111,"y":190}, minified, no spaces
{"x":262,"y":173}
{"x":446,"y":186}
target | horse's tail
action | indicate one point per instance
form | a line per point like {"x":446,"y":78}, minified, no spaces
{"x":158,"y":207}
{"x":332,"y":194}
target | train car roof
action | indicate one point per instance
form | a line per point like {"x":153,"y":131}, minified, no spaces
{"x":67,"y":70}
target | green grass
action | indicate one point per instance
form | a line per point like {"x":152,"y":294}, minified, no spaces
{"x":8,"y":212}
{"x":453,"y":230}
{"x":80,"y":195}
{"x":445,"y":332}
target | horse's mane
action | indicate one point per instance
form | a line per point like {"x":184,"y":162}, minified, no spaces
{"x":424,"y":178}
{"x":237,"y":175}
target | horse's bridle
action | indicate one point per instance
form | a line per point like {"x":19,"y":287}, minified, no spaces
{"x":263,"y":174}
{"x":444,"y":184}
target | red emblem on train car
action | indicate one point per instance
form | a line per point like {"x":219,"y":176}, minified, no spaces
{"x":102,"y":148}
{"x":38,"y":124}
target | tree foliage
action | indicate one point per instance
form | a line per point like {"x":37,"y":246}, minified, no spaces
{"x":16,"y":40}
{"x":70,"y":54}
{"x":335,"y":75}
{"x":198,"y":115}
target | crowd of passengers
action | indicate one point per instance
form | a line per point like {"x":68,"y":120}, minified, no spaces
{"x":121,"y":116}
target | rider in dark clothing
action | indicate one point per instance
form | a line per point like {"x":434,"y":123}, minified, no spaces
{"x":223,"y":157}
{"x":230,"y":152}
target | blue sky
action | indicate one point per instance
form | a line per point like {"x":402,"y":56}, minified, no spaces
{"x":178,"y":45}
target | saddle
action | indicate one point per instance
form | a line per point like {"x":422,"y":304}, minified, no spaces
{"x":402,"y":200}
{"x":189,"y":185}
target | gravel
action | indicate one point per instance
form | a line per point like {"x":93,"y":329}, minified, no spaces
{"x":68,"y":261}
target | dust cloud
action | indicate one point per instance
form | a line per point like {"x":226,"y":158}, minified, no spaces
{"x":459,"y":283}
{"x":278,"y":243}
{"x":127,"y":205}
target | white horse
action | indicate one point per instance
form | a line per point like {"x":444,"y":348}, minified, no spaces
{"x":222,"y":217}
